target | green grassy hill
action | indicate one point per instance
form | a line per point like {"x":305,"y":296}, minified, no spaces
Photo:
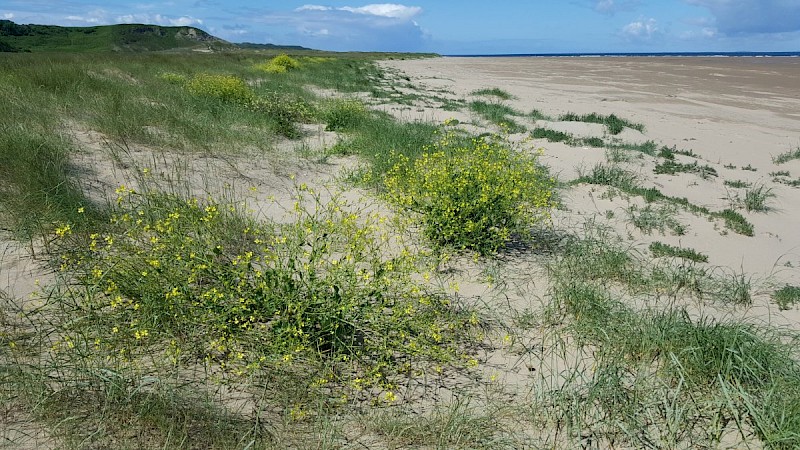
{"x":125,"y":37}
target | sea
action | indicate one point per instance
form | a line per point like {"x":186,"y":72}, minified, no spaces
{"x":661,"y":54}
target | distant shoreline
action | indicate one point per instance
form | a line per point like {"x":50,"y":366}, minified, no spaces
{"x":617,"y":55}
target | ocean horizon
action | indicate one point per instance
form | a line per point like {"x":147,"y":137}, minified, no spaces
{"x":632,"y":54}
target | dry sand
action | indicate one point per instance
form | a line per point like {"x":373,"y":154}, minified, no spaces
{"x":728,"y":111}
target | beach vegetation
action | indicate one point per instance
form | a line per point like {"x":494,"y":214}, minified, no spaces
{"x":498,"y":114}
{"x":493,"y":92}
{"x":617,"y":177}
{"x":613,"y":124}
{"x":738,"y":184}
{"x":672,"y":167}
{"x":535,"y":114}
{"x":661,"y":250}
{"x":552,"y":135}
{"x":477,"y":196}
{"x":786,"y":297}
{"x":656,"y":218}
{"x":279,"y":311}
{"x":343,"y":114}
{"x":785,"y":157}
{"x":749,"y":168}
{"x":756,"y":198}
{"x":280,"y":64}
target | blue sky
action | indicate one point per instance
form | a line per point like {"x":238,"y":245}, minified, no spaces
{"x":454,"y":26}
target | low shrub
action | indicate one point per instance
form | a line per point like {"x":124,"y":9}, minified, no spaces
{"x":224,"y":87}
{"x":176,"y":284}
{"x":476,"y":196}
{"x":279,"y":64}
{"x":344,"y":114}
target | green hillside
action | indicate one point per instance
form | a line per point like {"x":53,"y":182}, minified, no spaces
{"x":126,"y":37}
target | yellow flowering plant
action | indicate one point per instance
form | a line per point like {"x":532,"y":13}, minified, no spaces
{"x":477,"y":195}
{"x":186,"y":282}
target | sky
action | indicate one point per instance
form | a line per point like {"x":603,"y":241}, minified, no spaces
{"x":454,"y":26}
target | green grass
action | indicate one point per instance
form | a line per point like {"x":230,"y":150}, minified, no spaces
{"x":178,"y":321}
{"x":786,"y":297}
{"x":738,"y":184}
{"x":660,"y":250}
{"x":783,"y":158}
{"x":493,"y":92}
{"x":651,"y":218}
{"x":671,"y":167}
{"x":757,"y":198}
{"x":552,"y":135}
{"x":624,"y":180}
{"x":614,"y":124}
{"x":498,"y":114}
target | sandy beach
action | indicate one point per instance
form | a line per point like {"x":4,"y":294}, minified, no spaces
{"x":734,"y":114}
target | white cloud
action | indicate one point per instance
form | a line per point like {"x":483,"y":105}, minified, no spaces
{"x":158,"y":19}
{"x":753,"y":16}
{"x":642,"y":29}
{"x":83,"y":19}
{"x":391,"y":10}
{"x":313,"y":8}
{"x":8,"y":16}
{"x":376,"y":26}
{"x":613,"y":6}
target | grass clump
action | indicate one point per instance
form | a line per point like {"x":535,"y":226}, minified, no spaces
{"x":38,"y":189}
{"x":783,"y":158}
{"x":625,"y":181}
{"x":757,"y":198}
{"x":651,"y":218}
{"x":176,"y":284}
{"x":279,"y":64}
{"x":493,"y":92}
{"x":614,"y":124}
{"x":497,"y":114}
{"x":476,"y":196}
{"x":786,"y":297}
{"x":671,"y":167}
{"x":344,"y":114}
{"x":552,"y":135}
{"x":661,"y":250}
{"x":224,"y":87}
{"x":735,"y":222}
{"x":738,"y":184}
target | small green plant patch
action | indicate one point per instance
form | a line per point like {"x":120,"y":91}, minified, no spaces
{"x":786,"y":297}
{"x":176,"y":283}
{"x":735,"y":222}
{"x":788,"y":182}
{"x":344,"y":114}
{"x":477,"y":196}
{"x":535,"y":114}
{"x":498,"y":114}
{"x":224,"y":87}
{"x":279,"y":64}
{"x":626,"y":181}
{"x":493,"y":92}
{"x":757,"y":198}
{"x":783,"y":158}
{"x":552,"y":135}
{"x":738,"y":184}
{"x":614,"y":124}
{"x":780,"y":173}
{"x":670,"y":152}
{"x":749,"y":168}
{"x":653,"y":218}
{"x":671,"y":167}
{"x":661,"y":250}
